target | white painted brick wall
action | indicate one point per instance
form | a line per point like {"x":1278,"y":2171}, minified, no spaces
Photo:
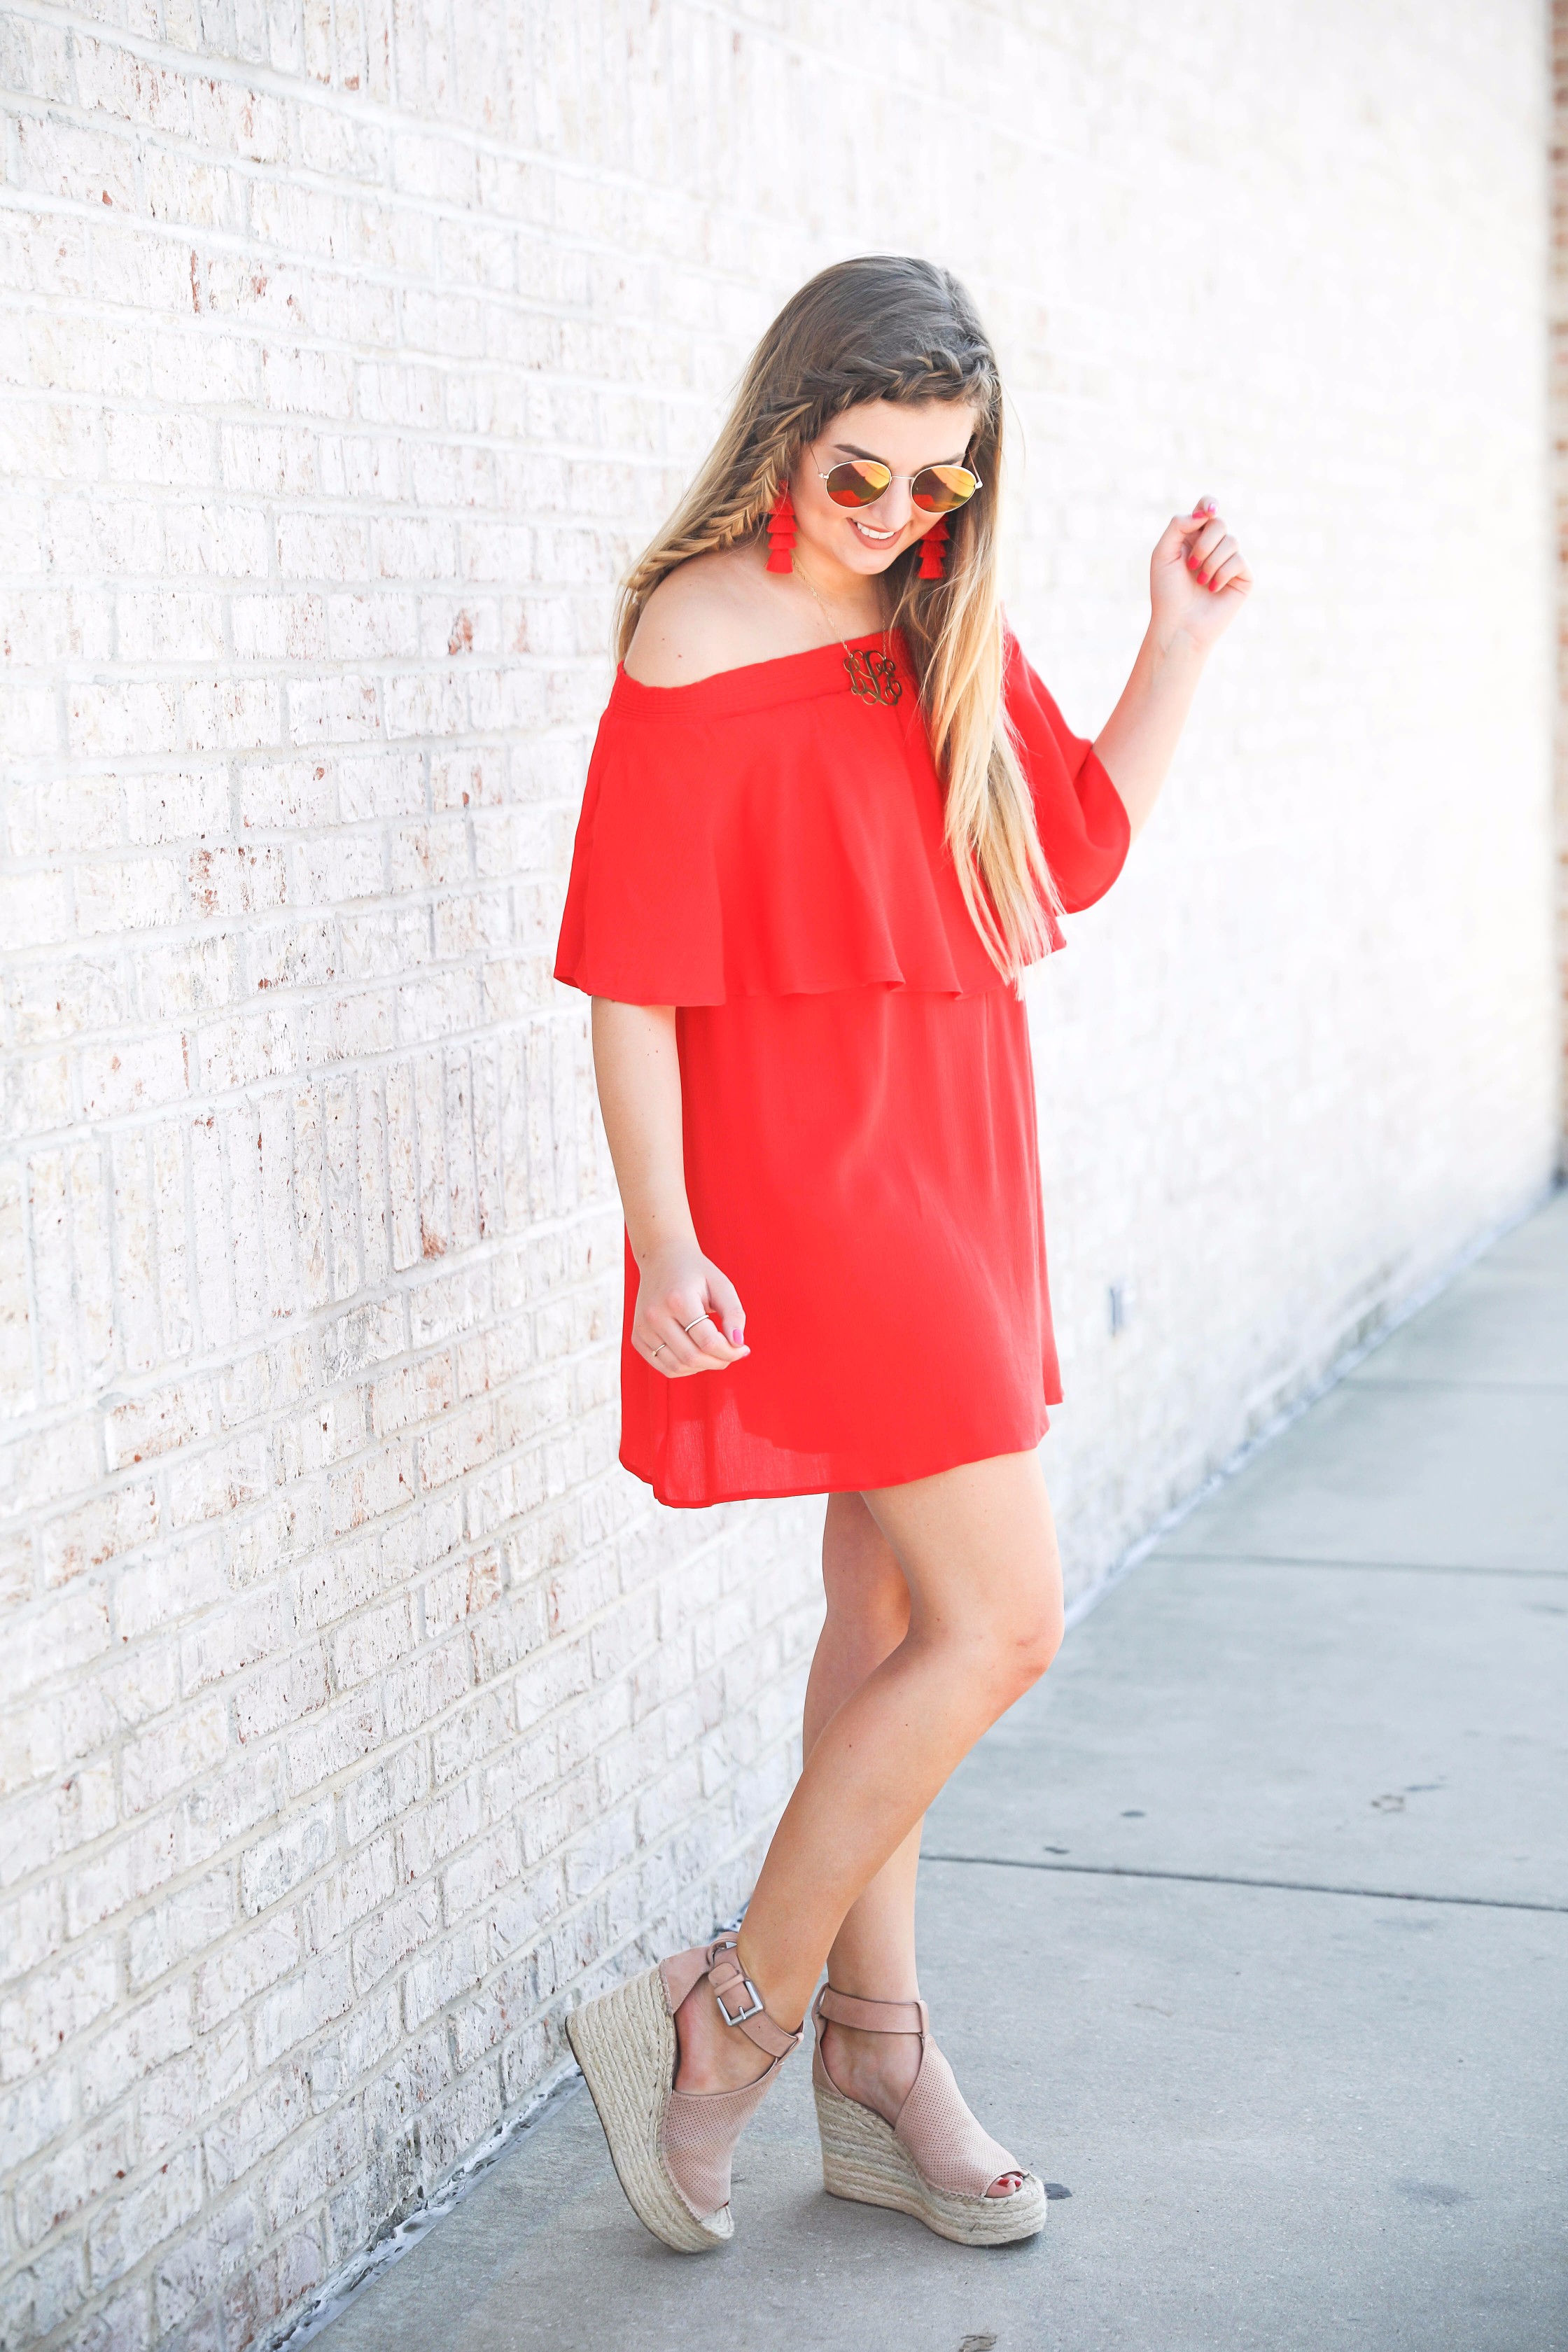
{"x":359,"y":1710}
{"x":1558,"y":300}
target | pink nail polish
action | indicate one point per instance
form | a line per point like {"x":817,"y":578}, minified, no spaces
{"x":734,"y":1339}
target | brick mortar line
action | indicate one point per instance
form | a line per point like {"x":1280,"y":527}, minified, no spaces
{"x":98,"y":1404}
{"x":333,"y":833}
{"x":155,"y":1118}
{"x":218,"y":1096}
{"x":222,"y":409}
{"x":334,"y":670}
{"x":217,"y":319}
{"x":263,"y":1426}
{"x":402,"y":1282}
{"x":292,"y":996}
{"x":219,"y":669}
{"x":32,"y":1522}
{"x":293,"y":912}
{"x":361,"y":106}
{"x":581,"y":1631}
{"x":468,"y":1547}
{"x":334,"y":1787}
{"x":223,"y":586}
{"x":103,"y":1579}
{"x":560,"y":737}
{"x":259,"y":247}
{"x":181,"y":1108}
{"x":323,"y":505}
{"x":463,"y":1553}
{"x":305,"y":1639}
{"x":151,"y":1471}
{"x":386,"y":833}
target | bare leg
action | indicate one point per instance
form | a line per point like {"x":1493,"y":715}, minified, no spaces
{"x":868,"y":1617}
{"x":873,"y":1954}
{"x":980,"y":1620}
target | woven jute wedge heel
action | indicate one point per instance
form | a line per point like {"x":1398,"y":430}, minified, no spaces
{"x":671,"y":2149}
{"x":935,"y":2162}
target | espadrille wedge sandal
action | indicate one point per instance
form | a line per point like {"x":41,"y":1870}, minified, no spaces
{"x":671,"y":2149}
{"x":935,"y":2161}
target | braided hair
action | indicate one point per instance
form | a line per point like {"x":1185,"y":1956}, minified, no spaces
{"x":893,"y":327}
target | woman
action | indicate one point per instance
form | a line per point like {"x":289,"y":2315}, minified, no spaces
{"x":832,"y":813}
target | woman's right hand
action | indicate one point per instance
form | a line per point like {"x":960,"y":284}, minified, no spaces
{"x":677,"y":1287}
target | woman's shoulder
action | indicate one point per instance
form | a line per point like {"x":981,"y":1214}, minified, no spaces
{"x":711,"y":613}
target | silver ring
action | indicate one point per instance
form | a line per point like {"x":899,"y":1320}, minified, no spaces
{"x":689,"y":1328}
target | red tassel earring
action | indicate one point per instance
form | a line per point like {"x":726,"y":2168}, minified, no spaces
{"x":933,"y":550}
{"x":780,"y":533}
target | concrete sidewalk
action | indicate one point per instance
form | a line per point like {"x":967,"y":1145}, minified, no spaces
{"x":1264,"y":1896}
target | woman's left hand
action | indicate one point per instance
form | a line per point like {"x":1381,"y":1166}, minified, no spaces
{"x":1198,"y":577}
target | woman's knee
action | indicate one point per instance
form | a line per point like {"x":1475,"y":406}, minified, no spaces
{"x":1037,"y":1639}
{"x":1016,"y":1645}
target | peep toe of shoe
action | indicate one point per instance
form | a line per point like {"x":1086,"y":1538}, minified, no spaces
{"x":672,"y":2148}
{"x":935,"y":2161}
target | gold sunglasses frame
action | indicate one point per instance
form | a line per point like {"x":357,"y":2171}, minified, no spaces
{"x":859,"y":505}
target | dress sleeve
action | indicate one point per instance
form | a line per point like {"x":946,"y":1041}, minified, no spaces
{"x":640,"y":923}
{"x":1079,"y":813}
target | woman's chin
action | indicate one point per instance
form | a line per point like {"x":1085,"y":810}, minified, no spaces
{"x":869,"y":555}
{"x":850,"y":552}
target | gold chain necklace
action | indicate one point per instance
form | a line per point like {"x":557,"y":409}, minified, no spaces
{"x":873,"y":676}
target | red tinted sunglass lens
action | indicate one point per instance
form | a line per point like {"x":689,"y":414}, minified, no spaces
{"x":856,"y":482}
{"x":938,"y":489}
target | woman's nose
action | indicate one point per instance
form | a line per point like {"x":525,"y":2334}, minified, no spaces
{"x":893,"y":508}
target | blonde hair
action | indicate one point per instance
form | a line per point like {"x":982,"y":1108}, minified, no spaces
{"x":888,"y":326}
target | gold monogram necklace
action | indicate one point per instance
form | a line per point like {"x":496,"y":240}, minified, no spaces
{"x":874,"y":676}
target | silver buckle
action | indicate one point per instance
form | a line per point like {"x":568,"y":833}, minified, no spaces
{"x":740,"y":2015}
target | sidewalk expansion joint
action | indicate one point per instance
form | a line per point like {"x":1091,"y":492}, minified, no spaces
{"x":1364,"y":1381}
{"x":1226,"y":1878}
{"x":1306,"y":1559}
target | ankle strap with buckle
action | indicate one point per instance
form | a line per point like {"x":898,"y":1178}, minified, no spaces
{"x":741,"y":2004}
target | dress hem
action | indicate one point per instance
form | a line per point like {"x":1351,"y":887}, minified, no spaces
{"x":844,"y":1486}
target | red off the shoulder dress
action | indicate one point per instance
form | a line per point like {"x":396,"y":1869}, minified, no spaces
{"x":763,"y":850}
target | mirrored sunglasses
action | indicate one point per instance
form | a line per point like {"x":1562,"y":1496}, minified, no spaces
{"x":935,"y":490}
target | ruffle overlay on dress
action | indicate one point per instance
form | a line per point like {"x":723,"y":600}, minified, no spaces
{"x":722,"y":854}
